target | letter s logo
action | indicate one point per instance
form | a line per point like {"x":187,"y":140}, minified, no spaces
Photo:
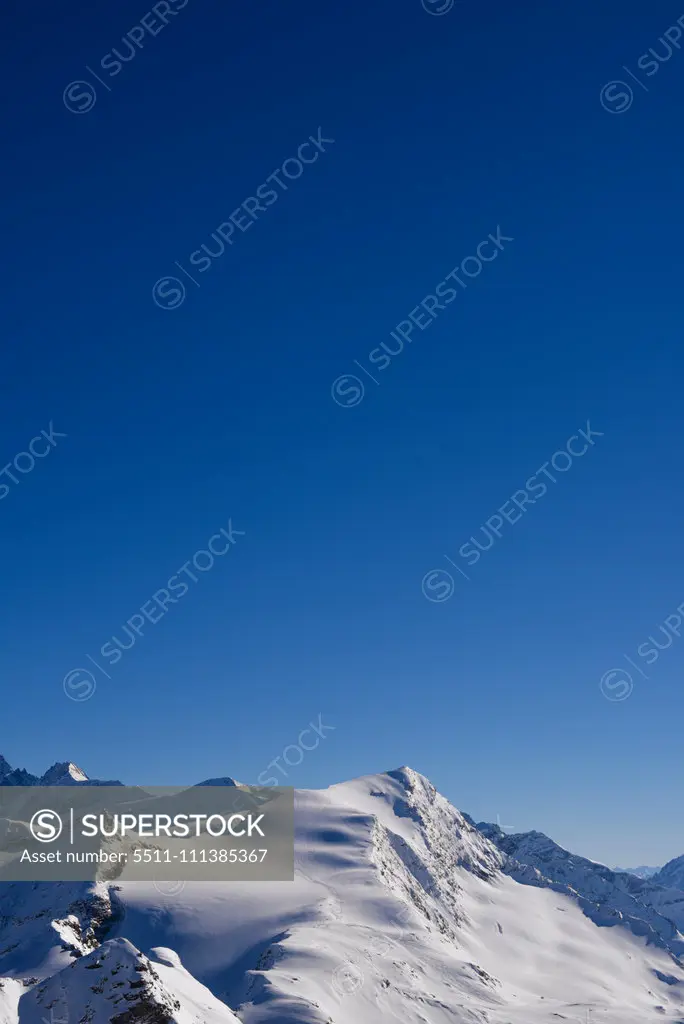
{"x":46,"y":826}
{"x":79,"y":97}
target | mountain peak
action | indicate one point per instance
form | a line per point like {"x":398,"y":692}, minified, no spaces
{"x":409,"y":778}
{"x":63,"y":773}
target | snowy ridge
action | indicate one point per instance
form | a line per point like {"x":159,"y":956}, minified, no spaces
{"x":117,"y":983}
{"x":672,"y":874}
{"x":607,"y":897}
{"x":402,"y":910}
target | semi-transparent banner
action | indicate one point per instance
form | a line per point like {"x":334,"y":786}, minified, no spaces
{"x":151,"y":833}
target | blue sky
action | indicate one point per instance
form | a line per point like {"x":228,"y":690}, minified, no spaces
{"x":219,"y":413}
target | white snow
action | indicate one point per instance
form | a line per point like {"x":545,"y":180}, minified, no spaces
{"x":401,"y":911}
{"x":10,"y":993}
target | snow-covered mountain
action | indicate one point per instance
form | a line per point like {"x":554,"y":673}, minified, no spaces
{"x":671,"y":874}
{"x":62,"y":773}
{"x":402,"y":910}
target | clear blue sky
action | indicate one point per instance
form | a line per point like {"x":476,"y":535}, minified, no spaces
{"x":178,"y":420}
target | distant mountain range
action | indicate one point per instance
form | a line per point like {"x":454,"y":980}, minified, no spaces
{"x":403,"y":909}
{"x":643,"y":871}
{"x":62,"y":773}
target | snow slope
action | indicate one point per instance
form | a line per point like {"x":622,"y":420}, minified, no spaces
{"x":402,"y":910}
{"x":645,"y":906}
{"x":10,"y":993}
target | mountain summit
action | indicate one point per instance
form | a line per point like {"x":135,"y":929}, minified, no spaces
{"x":62,"y":773}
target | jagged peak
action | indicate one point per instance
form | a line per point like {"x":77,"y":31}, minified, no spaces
{"x":407,"y":774}
{"x":116,"y":982}
{"x":63,"y":771}
{"x":60,"y":772}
